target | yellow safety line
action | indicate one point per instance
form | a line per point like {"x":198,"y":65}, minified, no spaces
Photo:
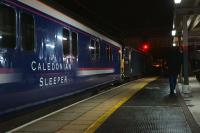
{"x":92,"y":128}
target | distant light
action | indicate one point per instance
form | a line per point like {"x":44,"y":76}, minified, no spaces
{"x":174,"y":44}
{"x":1,"y":37}
{"x":173,"y":32}
{"x":177,"y":1}
{"x":156,"y":65}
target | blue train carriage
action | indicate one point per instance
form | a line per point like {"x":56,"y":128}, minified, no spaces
{"x":45,"y":55}
{"x":134,"y":63}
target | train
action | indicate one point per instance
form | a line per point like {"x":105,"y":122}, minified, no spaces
{"x":136,"y":63}
{"x":46,"y":55}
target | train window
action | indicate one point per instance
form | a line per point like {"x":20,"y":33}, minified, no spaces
{"x":66,"y":42}
{"x":27,"y":32}
{"x":7,"y":27}
{"x":92,"y":49}
{"x":108,"y":53}
{"x":97,"y":50}
{"x":74,"y":44}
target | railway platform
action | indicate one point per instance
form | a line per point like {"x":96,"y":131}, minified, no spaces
{"x":140,"y":106}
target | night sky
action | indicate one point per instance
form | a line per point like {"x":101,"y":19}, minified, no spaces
{"x":124,"y":18}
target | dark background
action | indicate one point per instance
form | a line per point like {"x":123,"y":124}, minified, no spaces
{"x":121,"y":19}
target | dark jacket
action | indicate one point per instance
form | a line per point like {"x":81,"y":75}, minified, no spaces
{"x":174,"y":61}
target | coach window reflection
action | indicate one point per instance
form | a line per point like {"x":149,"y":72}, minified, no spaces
{"x":7,"y":27}
{"x":92,"y":49}
{"x":66,"y":42}
{"x":97,"y":50}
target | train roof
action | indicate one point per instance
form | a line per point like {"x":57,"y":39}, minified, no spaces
{"x":36,"y":4}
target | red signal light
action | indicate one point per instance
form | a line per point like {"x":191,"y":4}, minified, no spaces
{"x":145,"y":47}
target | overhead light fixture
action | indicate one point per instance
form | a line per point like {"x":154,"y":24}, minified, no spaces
{"x":173,"y":32}
{"x":177,"y":1}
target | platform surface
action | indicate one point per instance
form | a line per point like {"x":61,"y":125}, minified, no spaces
{"x":80,"y":117}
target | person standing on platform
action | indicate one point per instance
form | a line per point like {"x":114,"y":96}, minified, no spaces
{"x":174,"y":61}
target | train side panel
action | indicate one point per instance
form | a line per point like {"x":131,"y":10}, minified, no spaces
{"x":56,"y":61}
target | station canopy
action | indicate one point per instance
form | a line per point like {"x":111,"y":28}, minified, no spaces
{"x":190,"y":9}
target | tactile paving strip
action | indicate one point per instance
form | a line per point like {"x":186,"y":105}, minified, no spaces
{"x":150,"y":111}
{"x":146,"y":120}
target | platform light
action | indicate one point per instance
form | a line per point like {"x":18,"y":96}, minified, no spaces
{"x":174,"y":44}
{"x":177,"y":1}
{"x":173,"y":32}
{"x":1,"y":37}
